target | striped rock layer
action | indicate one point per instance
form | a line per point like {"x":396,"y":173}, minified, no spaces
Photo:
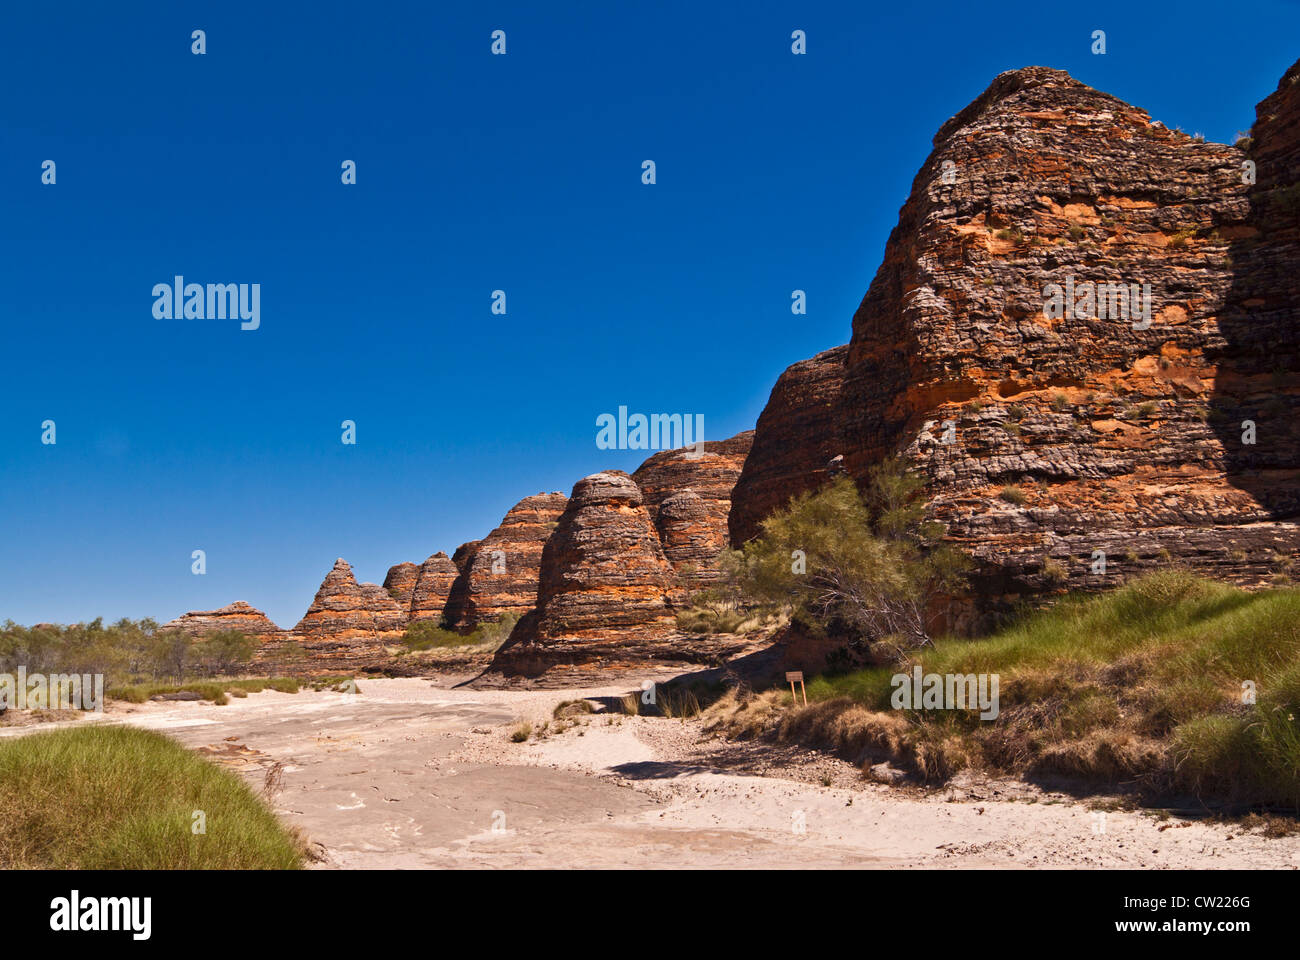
{"x":687,"y":494}
{"x":604,"y":583}
{"x":236,"y":616}
{"x":498,"y":575}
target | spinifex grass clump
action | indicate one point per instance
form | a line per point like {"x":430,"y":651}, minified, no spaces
{"x":1149,"y":685}
{"x":117,"y":798}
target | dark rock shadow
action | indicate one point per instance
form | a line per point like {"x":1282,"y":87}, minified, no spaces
{"x":1259,"y":374}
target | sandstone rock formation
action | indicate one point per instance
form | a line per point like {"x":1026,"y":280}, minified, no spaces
{"x":400,"y":583}
{"x":1047,"y":435}
{"x":498,"y":574}
{"x":604,"y":586}
{"x":236,"y":616}
{"x":688,"y":498}
{"x":432,"y":587}
{"x":346,"y":629}
{"x":691,"y":537}
{"x":344,"y":608}
{"x":1075,"y":319}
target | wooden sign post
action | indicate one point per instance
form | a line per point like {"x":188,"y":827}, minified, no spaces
{"x":792,"y":676}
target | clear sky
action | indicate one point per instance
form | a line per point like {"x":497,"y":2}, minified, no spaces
{"x":475,"y":173}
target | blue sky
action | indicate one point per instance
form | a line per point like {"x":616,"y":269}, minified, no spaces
{"x":474,"y":173}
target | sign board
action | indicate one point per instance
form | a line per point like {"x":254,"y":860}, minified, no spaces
{"x":793,"y":676}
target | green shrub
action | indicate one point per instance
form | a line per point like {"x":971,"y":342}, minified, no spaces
{"x":429,"y":635}
{"x":863,"y":563}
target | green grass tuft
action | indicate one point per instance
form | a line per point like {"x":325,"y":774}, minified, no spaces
{"x":118,"y":798}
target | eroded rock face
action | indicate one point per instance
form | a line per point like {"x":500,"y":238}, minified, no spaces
{"x":498,"y":575}
{"x":605,"y":583}
{"x":1107,"y":428}
{"x":798,"y":433}
{"x":236,"y":616}
{"x":400,"y":583}
{"x":432,"y":587}
{"x":693,"y":530}
{"x":344,"y":608}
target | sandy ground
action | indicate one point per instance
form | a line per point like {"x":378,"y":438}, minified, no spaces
{"x":412,"y":773}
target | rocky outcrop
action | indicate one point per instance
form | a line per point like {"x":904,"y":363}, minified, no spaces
{"x":400,"y":583}
{"x":798,"y":433}
{"x":1048,"y":435}
{"x":432,"y":587}
{"x":605,"y":584}
{"x":344,"y":608}
{"x":237,"y":616}
{"x":498,"y":575}
{"x":464,"y":554}
{"x":687,"y":493}
{"x":346,"y":629}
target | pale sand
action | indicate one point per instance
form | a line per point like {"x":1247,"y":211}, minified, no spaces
{"x":410,"y":773}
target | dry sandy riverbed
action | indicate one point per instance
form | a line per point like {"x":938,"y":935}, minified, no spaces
{"x":412,"y":773}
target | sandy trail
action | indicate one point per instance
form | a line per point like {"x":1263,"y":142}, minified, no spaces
{"x":409,"y":773}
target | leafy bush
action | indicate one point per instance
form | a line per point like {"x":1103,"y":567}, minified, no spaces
{"x":866,"y":564}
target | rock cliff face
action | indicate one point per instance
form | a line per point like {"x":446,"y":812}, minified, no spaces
{"x":688,"y":498}
{"x":605,"y":584}
{"x":432,"y":587}
{"x":237,"y":616}
{"x":986,"y":354}
{"x":498,"y":576}
{"x":345,"y":629}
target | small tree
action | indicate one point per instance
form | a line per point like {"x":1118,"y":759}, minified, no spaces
{"x":864,"y":562}
{"x":171,"y":651}
{"x":225,"y":653}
